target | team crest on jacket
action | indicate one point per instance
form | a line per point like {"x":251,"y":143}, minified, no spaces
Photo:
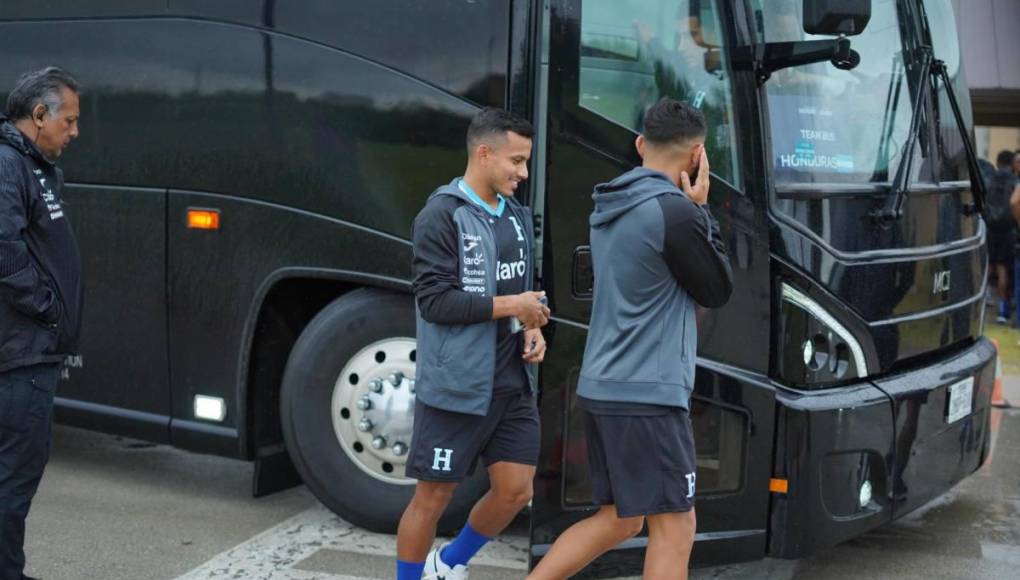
{"x":472,"y":271}
{"x":52,"y":203}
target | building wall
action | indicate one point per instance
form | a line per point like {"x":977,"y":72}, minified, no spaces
{"x":990,"y":40}
{"x":990,"y":140}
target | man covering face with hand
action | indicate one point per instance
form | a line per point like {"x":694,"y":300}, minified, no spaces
{"x":657,"y":253}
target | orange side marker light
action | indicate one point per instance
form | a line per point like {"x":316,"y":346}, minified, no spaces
{"x":777,"y":485}
{"x":203,"y":219}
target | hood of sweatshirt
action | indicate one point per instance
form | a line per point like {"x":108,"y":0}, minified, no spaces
{"x":626,"y":192}
{"x":453,"y":188}
{"x":10,"y":135}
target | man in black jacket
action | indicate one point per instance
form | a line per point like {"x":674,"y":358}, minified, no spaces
{"x":40,"y":291}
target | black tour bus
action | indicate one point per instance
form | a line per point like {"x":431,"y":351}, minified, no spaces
{"x":248,"y":171}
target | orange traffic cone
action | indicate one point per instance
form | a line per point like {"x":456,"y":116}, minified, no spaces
{"x":997,"y":399}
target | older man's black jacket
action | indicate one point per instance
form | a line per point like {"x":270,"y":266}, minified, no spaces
{"x":40,"y":268}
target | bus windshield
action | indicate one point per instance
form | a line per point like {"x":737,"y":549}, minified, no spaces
{"x":835,"y":126}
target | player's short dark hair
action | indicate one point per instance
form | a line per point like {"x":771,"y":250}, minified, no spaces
{"x":673,"y":121}
{"x":37,"y":87}
{"x":492,"y":121}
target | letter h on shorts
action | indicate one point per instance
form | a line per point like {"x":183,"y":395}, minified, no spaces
{"x":442,"y":459}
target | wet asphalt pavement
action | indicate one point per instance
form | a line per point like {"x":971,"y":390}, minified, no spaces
{"x":116,"y":508}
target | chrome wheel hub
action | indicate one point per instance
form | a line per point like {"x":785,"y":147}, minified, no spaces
{"x":373,"y":408}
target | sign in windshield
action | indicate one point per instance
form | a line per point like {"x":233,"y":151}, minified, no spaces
{"x":835,"y":126}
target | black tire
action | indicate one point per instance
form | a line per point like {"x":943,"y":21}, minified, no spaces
{"x":331,"y":339}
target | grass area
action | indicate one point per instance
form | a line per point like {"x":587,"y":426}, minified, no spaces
{"x":1009,"y":350}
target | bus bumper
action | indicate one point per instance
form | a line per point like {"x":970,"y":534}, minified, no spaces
{"x":859,"y":456}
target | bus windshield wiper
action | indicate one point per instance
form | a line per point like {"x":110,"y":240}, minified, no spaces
{"x":977,"y":184}
{"x":941,"y":72}
{"x":892,"y":103}
{"x":893,"y":208}
{"x":932,"y":69}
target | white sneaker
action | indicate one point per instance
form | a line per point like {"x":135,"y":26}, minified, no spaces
{"x":436,"y":569}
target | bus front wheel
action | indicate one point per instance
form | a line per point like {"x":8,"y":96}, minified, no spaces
{"x":347,"y":408}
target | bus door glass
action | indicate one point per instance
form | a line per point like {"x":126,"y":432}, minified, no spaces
{"x":633,"y":53}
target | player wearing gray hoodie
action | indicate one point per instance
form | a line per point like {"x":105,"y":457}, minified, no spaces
{"x":657,"y":252}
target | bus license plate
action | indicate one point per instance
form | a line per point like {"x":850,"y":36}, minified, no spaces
{"x":961,"y":400}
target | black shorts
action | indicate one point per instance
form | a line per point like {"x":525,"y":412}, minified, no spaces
{"x":642,"y":464}
{"x":445,"y":446}
{"x":1000,"y":248}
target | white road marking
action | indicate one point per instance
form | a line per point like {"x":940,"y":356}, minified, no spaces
{"x":273,"y":554}
{"x":1000,"y":552}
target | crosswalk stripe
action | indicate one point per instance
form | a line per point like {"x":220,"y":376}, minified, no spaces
{"x":272,"y":554}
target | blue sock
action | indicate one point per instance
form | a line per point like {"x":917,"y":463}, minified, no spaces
{"x":464,"y":547}
{"x":410,"y":570}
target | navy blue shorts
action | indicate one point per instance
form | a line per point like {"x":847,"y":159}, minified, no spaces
{"x":446,"y":446}
{"x":642,"y":464}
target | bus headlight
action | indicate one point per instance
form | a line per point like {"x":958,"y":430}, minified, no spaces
{"x":815,"y":349}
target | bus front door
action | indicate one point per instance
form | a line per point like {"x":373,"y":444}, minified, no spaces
{"x":606,"y":62}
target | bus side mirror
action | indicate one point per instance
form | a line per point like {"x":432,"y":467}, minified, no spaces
{"x":713,"y":61}
{"x":704,"y":28}
{"x":703,"y":24}
{"x":836,"y":17}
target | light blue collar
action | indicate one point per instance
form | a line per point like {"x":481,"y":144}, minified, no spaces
{"x":498,"y":212}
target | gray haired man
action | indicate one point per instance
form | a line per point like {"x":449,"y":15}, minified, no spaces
{"x":40,"y":291}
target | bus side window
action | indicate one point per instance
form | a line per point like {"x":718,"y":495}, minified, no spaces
{"x":634,"y":52}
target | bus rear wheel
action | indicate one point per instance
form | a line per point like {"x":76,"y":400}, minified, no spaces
{"x":347,"y":408}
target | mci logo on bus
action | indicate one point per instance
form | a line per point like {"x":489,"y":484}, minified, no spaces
{"x":940,"y":283}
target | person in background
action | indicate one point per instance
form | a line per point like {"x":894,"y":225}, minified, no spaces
{"x":1014,"y":206}
{"x":40,"y":291}
{"x":1001,"y":228}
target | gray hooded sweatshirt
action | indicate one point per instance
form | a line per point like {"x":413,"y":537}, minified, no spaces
{"x":454,"y":265}
{"x":655,"y":254}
